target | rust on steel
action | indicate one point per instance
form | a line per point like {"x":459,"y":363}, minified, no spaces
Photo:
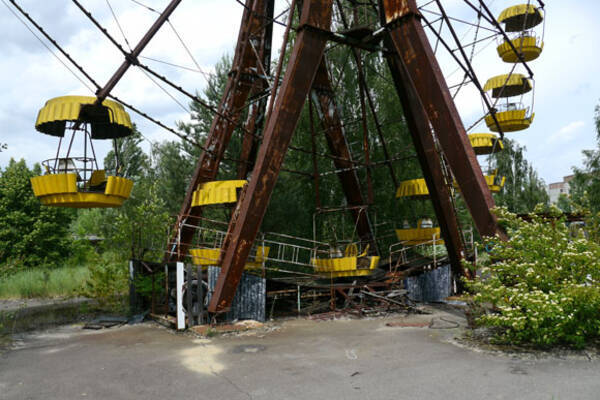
{"x":430,"y":160}
{"x":326,"y":107}
{"x":281,"y":124}
{"x":408,"y":40}
{"x":258,"y":109}
{"x":241,"y":80}
{"x":132,"y":57}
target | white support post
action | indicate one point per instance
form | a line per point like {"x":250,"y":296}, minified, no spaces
{"x":179,"y":283}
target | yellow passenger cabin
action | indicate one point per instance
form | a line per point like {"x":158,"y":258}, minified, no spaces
{"x":523,"y":42}
{"x":485,"y":143}
{"x":413,"y":188}
{"x":511,"y":114}
{"x":75,"y":180}
{"x":350,"y":264}
{"x":424,"y":233}
{"x":217,"y":192}
{"x":210,"y":256}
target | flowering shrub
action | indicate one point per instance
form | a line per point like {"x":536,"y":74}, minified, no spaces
{"x":543,"y":283}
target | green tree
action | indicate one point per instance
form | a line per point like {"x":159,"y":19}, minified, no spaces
{"x":139,"y":230}
{"x":523,"y":189}
{"x":29,"y":232}
{"x":172,"y":170}
{"x":585,"y":187}
{"x":564,"y":203}
{"x":133,"y":162}
{"x":201,"y":118}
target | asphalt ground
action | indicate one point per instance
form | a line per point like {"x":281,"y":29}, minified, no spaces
{"x":417,"y":357}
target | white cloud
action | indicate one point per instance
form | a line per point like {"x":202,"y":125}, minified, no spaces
{"x":572,"y":127}
{"x":567,"y":133}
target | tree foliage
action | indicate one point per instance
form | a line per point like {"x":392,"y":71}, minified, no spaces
{"x":30,"y":233}
{"x":585,"y":186}
{"x":523,"y":189}
{"x":133,"y":162}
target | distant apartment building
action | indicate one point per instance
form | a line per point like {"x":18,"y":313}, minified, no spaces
{"x":558,"y":188}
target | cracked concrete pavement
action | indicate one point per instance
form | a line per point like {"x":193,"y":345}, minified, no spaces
{"x":304,"y":359}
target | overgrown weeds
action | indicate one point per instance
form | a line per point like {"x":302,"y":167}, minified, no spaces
{"x":43,"y":283}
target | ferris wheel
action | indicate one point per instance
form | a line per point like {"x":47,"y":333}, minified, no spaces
{"x":421,"y":44}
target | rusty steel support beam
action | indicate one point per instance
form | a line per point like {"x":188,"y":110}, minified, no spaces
{"x":324,"y":101}
{"x":250,"y":210}
{"x":257,"y":113}
{"x":132,"y":57}
{"x":402,"y":20}
{"x":430,"y":160}
{"x":241,"y":79}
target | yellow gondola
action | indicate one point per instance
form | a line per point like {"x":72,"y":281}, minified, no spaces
{"x":494,"y":181}
{"x":511,"y":115}
{"x":520,"y":20}
{"x":206,"y":257}
{"x":520,"y":17}
{"x":424,"y":233}
{"x":77,"y":182}
{"x":351,"y":264}
{"x":414,"y":188}
{"x":217,"y":192}
{"x":529,"y":47}
{"x":485,"y":143}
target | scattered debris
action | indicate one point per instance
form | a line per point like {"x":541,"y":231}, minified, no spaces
{"x":105,"y":322}
{"x":249,"y":324}
{"x":408,"y":324}
{"x":443,"y":323}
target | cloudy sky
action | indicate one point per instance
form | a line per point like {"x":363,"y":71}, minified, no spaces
{"x":566,"y":75}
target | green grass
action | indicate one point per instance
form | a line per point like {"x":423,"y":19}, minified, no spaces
{"x":45,"y":283}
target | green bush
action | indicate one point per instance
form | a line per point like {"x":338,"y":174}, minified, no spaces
{"x":543,"y":283}
{"x":145,"y":288}
{"x":108,"y":283}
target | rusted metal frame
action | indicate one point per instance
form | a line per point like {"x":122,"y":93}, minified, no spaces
{"x":313,"y":143}
{"x":474,"y":78}
{"x":274,"y":20}
{"x":252,"y":126}
{"x":250,"y":210}
{"x":131,"y":58}
{"x":257,"y":112}
{"x":378,"y":126}
{"x":365,"y":128}
{"x":487,"y":18}
{"x":363,"y":83}
{"x":468,"y":70}
{"x":197,"y":99}
{"x":506,"y":38}
{"x":437,"y":14}
{"x":234,"y":97}
{"x":346,"y":40}
{"x":408,"y":39}
{"x":284,"y":43}
{"x":323,"y":97}
{"x":473,"y":43}
{"x":150,"y":71}
{"x":373,"y":165}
